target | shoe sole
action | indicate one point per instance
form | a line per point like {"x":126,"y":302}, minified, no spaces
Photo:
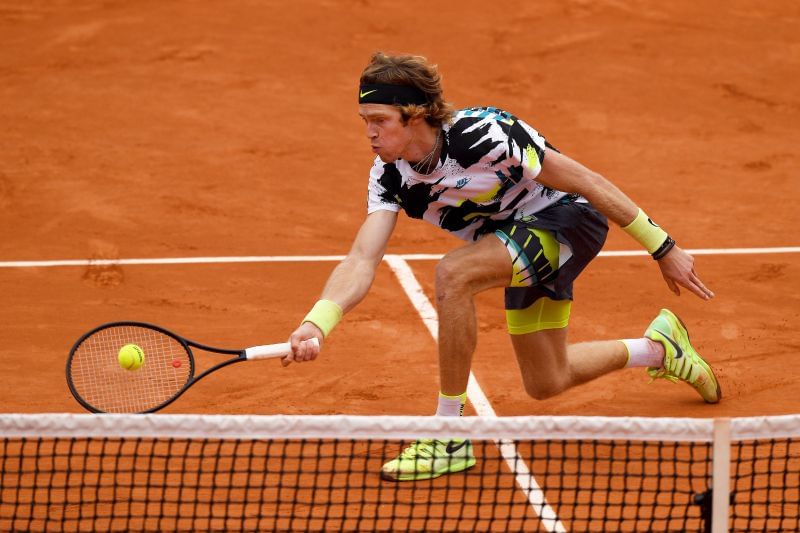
{"x":703,"y":363}
{"x":427,"y":475}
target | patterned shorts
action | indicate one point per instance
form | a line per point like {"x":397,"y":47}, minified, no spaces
{"x":548,"y":251}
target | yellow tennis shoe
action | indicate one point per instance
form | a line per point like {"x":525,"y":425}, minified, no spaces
{"x":427,"y":459}
{"x":681,"y":360}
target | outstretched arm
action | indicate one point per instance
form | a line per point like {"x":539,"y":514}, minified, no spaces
{"x":347,"y":285}
{"x":562,"y":173}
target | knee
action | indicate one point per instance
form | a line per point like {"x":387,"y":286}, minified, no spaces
{"x":450,"y":279}
{"x":543,"y":389}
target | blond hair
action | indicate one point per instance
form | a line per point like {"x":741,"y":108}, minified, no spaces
{"x":416,"y":72}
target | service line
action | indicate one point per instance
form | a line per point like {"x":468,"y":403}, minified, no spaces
{"x":327,"y":258}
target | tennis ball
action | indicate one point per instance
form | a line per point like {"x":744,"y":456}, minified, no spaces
{"x":130,"y":357}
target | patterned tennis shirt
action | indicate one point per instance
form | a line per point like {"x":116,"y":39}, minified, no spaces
{"x":486,"y":175}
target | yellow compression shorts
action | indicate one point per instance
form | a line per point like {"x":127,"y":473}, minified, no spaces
{"x":535,"y":259}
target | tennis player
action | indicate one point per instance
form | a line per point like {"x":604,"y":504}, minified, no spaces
{"x":532,"y":219}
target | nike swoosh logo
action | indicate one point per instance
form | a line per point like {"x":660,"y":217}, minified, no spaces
{"x":362,"y":95}
{"x":453,"y":449}
{"x":678,"y":351}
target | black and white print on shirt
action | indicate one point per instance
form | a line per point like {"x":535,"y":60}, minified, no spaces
{"x":485,"y":176}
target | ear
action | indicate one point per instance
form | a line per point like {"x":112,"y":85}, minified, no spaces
{"x":415,"y":121}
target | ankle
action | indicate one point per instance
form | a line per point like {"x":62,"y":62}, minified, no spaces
{"x":451,"y":405}
{"x":644,"y":352}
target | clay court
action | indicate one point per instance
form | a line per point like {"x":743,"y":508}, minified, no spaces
{"x":155,"y":130}
{"x":168,"y":130}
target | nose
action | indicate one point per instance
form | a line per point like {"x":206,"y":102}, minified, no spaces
{"x":372,"y":132}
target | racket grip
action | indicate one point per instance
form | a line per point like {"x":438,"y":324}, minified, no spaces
{"x":268,"y":351}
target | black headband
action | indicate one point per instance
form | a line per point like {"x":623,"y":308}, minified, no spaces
{"x":391,"y":94}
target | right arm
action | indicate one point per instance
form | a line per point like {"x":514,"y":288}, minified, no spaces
{"x":350,"y":281}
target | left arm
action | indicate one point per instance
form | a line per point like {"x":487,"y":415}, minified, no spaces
{"x":562,"y":173}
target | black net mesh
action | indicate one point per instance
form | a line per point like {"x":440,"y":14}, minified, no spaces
{"x":143,"y":484}
{"x":186,"y":483}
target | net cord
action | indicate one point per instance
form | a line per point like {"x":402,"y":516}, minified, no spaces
{"x":390,"y":427}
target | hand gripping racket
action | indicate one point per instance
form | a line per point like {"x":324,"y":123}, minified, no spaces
{"x":100,"y":384}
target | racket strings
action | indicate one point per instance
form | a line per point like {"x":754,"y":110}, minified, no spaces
{"x":99,"y":379}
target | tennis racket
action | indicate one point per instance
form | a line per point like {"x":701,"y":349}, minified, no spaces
{"x":101,"y":385}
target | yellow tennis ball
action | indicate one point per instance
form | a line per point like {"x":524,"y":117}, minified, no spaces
{"x":130,"y":357}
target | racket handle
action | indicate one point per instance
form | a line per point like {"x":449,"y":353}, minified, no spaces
{"x":268,"y":351}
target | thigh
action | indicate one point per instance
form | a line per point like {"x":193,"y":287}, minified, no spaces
{"x":529,"y":311}
{"x":480,"y":265}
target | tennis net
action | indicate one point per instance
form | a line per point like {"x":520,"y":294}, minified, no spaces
{"x":64,"y":472}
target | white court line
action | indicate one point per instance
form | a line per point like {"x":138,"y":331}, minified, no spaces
{"x":312,"y":258}
{"x":172,"y":261}
{"x":508,"y":450}
{"x":632,"y":253}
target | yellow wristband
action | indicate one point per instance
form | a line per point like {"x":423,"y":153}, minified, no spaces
{"x":646,"y":232}
{"x":325,"y":315}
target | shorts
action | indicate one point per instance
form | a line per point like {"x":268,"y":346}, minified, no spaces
{"x":548,"y":251}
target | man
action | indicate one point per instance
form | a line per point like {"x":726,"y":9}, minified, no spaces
{"x":533,"y":219}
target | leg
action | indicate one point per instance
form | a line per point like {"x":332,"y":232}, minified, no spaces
{"x":534,"y":259}
{"x":538,"y":322}
{"x":460,"y":275}
{"x":549,"y":366}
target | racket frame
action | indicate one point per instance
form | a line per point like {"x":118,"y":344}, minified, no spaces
{"x":241,"y":355}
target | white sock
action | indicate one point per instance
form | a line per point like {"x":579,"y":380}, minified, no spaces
{"x":451,"y":405}
{"x":644,"y":352}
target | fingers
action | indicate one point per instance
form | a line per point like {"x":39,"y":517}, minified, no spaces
{"x":672,"y":286}
{"x":697,"y":287}
{"x":305,"y":347}
{"x":294,"y":341}
{"x":692,"y":283}
{"x":677,"y":267}
{"x":306,"y":351}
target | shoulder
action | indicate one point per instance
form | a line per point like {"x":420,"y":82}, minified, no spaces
{"x":478,"y":133}
{"x":492,"y":136}
{"x":484,"y":114}
{"x":385,"y":174}
{"x":492,"y":120}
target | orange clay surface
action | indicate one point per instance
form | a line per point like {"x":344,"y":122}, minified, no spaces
{"x":174,"y":129}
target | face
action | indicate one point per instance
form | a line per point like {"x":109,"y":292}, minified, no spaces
{"x":387,"y":134}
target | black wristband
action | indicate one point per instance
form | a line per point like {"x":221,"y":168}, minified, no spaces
{"x":665,"y":247}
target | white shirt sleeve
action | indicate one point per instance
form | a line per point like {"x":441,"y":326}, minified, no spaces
{"x":532,"y":154}
{"x":525,"y":151}
{"x":384,"y":187}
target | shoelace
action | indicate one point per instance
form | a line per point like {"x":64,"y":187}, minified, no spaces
{"x":670,"y":375}
{"x":424,"y":448}
{"x":661,"y":373}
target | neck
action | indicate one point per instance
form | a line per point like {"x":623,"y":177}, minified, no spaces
{"x":424,"y":147}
